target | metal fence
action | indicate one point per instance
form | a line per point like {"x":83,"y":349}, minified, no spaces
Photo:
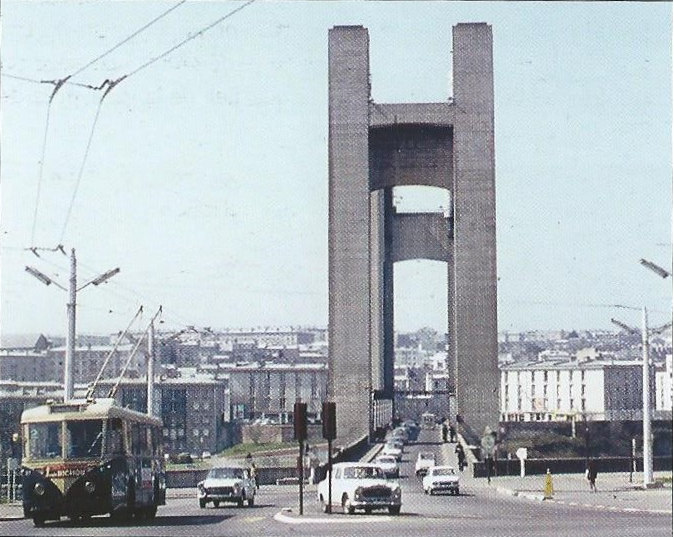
{"x":10,"y":481}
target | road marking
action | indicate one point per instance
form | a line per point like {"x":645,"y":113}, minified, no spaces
{"x":280,"y":517}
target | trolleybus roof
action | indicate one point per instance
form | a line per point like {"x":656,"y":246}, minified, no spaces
{"x":83,"y":409}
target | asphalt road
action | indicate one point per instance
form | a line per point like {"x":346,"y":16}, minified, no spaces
{"x":478,"y":511}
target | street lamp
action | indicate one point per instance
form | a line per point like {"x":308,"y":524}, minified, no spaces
{"x":648,"y":444}
{"x":68,"y":380}
{"x":646,"y":391}
{"x":655,"y":268}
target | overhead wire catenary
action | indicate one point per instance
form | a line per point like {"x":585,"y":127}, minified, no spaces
{"x":112,"y":83}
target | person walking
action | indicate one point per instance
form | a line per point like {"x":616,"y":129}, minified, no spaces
{"x":452,"y":433}
{"x":460,"y":456}
{"x":253,"y":474}
{"x":591,"y":474}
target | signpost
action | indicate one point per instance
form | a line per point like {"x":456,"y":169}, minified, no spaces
{"x":329,"y":420}
{"x":300,"y":430}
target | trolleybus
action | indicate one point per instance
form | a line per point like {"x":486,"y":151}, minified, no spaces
{"x":85,"y":458}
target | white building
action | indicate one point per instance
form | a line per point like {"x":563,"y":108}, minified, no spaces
{"x":571,"y":390}
{"x":663,"y":387}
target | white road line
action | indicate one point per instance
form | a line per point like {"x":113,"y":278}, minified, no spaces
{"x":280,"y":517}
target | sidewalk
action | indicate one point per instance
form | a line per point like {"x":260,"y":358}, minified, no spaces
{"x":614,"y":490}
{"x":11,"y":511}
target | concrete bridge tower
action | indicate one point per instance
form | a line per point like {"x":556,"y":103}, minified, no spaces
{"x":374,"y":147}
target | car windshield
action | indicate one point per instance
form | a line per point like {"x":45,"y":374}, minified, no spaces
{"x":426,"y":456}
{"x":226,"y":473}
{"x":363,"y":472}
{"x":386,"y":460}
{"x":443,"y":471}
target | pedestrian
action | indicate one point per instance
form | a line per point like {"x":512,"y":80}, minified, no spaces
{"x":452,"y":433}
{"x":460,"y":455}
{"x":249,"y":457}
{"x":253,"y":474}
{"x":591,"y":474}
{"x":444,"y":433}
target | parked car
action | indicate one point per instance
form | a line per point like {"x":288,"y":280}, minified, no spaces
{"x":234,"y":483}
{"x":425,"y":460}
{"x":393,"y":451}
{"x":389,"y":464}
{"x":441,"y":479}
{"x":357,"y":485}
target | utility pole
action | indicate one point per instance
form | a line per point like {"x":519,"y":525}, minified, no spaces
{"x":71,"y":306}
{"x":68,"y":379}
{"x":648,"y":444}
{"x":150,"y":370}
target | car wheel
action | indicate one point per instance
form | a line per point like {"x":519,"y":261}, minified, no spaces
{"x":240,"y":502}
{"x":251,"y":502}
{"x":38,"y":521}
{"x":216,"y":503}
{"x":431,"y":492}
{"x":394,"y":510}
{"x":346,"y":506}
{"x":202,"y":503}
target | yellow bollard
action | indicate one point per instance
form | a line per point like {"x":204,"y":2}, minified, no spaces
{"x":548,"y":491}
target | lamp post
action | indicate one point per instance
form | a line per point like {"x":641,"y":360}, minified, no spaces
{"x":71,"y":305}
{"x":646,"y":381}
{"x":648,"y":441}
{"x":645,"y":390}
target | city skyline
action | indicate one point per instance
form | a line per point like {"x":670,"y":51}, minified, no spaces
{"x":205,"y":179}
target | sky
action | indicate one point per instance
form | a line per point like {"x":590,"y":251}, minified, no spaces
{"x":203,"y":173}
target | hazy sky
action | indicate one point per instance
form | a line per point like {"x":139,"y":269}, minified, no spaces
{"x":206,"y":177}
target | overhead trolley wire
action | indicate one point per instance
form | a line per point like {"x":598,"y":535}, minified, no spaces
{"x":110,"y":84}
{"x":190,"y":38}
{"x":58,"y":83}
{"x":129,"y":38}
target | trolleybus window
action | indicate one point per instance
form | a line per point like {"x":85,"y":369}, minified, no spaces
{"x":44,"y":441}
{"x":114,"y":444}
{"x":85,"y":438}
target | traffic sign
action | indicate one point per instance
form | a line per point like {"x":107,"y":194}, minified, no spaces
{"x":488,"y":442}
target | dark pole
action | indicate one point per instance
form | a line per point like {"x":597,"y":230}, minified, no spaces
{"x":329,"y":476}
{"x":300,"y":465}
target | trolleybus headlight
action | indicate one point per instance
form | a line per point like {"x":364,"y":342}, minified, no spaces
{"x":90,"y":487}
{"x":38,"y":489}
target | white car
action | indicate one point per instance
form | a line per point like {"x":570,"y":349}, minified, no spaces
{"x":359,"y":485}
{"x":441,"y":479}
{"x":389,"y":464}
{"x":227,"y":484}
{"x":393,"y":451}
{"x":425,"y":460}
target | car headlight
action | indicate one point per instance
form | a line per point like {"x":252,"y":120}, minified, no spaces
{"x":89,"y":486}
{"x":397,"y":492}
{"x":237,"y":487}
{"x":357,"y":493}
{"x":38,"y":489}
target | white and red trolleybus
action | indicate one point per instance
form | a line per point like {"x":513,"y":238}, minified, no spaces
{"x":84,"y":458}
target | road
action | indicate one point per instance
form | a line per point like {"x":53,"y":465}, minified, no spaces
{"x":479,"y":510}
